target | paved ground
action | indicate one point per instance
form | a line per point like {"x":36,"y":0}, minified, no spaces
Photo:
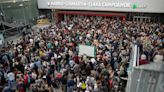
{"x":13,"y":38}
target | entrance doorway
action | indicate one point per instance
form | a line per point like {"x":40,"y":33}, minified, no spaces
{"x":141,"y":19}
{"x":62,"y":15}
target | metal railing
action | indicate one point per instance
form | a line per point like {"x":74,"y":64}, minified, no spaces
{"x":134,"y":61}
{"x":144,"y":78}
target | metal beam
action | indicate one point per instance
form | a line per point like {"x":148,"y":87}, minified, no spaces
{"x":12,"y":1}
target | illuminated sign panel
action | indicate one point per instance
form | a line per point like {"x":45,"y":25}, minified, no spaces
{"x":97,"y":4}
{"x":93,"y":4}
{"x":105,"y":5}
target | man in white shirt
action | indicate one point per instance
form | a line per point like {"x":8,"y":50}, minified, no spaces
{"x":11,"y":76}
{"x":11,"y":81}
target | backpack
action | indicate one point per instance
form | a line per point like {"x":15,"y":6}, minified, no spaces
{"x":83,"y":86}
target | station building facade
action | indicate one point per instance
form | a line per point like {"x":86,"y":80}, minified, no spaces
{"x":135,"y":10}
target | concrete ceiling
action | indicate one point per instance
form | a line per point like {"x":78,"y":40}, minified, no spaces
{"x":13,"y":1}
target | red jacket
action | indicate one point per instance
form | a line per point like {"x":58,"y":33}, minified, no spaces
{"x":26,"y":79}
{"x":142,"y":62}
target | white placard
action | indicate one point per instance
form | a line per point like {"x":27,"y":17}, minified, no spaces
{"x":87,"y":50}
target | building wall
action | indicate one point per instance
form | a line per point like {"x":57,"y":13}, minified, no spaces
{"x":20,"y":11}
{"x":149,"y":6}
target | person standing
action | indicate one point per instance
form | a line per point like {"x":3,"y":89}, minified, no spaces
{"x":11,"y":81}
{"x":70,"y":85}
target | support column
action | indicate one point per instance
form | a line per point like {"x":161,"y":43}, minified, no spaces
{"x":55,"y":16}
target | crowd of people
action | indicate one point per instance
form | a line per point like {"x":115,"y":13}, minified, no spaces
{"x":46,"y":60}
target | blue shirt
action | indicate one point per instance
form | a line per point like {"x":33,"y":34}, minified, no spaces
{"x":70,"y":83}
{"x":38,"y":63}
{"x":49,"y":45}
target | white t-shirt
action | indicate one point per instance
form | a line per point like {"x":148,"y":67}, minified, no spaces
{"x":79,"y":84}
{"x":34,"y":75}
{"x":11,"y":76}
{"x":31,"y":41}
{"x":32,"y":65}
